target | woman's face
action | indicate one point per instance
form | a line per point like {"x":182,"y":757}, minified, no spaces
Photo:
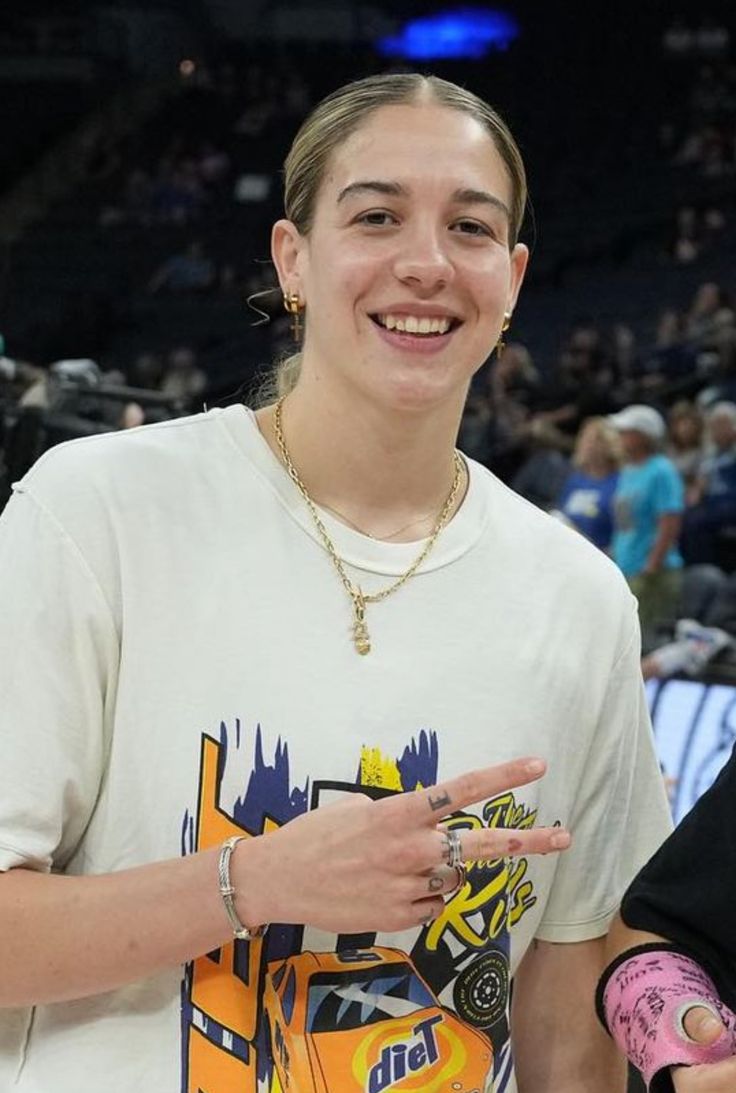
{"x":406,"y":272}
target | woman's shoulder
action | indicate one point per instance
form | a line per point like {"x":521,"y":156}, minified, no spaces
{"x":546,"y":543}
{"x":154,"y":448}
{"x":126,"y":470}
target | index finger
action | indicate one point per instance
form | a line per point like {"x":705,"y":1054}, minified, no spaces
{"x":428,"y":806}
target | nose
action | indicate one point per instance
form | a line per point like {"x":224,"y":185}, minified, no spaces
{"x":422,"y":260}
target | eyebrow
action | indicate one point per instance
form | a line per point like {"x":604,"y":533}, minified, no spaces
{"x":463,"y":196}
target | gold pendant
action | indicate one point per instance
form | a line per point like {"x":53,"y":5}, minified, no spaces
{"x":361,"y":637}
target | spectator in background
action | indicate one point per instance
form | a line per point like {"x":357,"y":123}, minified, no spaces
{"x":183,"y":380}
{"x":213,"y":164}
{"x":582,"y":387}
{"x":132,"y":416}
{"x":178,"y":194}
{"x":514,"y":376}
{"x":135,"y":205}
{"x":687,"y":243}
{"x":708,"y":302}
{"x":684,"y":444}
{"x":712,"y":38}
{"x":513,"y":388}
{"x":714,"y":490}
{"x":191,"y":271}
{"x":624,"y":351}
{"x":678,"y":39}
{"x":494,"y":425}
{"x":648,"y":506}
{"x":146,"y":371}
{"x":586,"y":501}
{"x":671,"y":357}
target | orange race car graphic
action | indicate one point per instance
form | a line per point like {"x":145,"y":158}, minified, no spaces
{"x":366,"y":1021}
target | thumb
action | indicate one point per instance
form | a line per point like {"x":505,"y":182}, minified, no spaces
{"x":702,"y":1025}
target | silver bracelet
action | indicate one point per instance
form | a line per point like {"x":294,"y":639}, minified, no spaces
{"x":241,"y":932}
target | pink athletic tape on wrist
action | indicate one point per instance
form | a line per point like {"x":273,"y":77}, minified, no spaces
{"x":645,"y":1001}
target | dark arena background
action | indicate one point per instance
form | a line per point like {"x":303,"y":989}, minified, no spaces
{"x":141,"y":172}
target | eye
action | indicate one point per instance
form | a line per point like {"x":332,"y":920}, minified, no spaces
{"x":473,"y":227}
{"x":376,"y":218}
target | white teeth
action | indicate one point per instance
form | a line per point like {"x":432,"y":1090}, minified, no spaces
{"x":413,"y":324}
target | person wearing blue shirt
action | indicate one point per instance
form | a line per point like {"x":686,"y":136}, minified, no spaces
{"x":648,"y":506}
{"x":586,"y":501}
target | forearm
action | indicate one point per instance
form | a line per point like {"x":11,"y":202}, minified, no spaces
{"x":558,"y":1042}
{"x":67,"y":937}
{"x":668,"y":532}
{"x":558,"y":1059}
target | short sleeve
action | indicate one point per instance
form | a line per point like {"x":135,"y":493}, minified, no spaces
{"x":620,"y":816}
{"x":58,"y":675}
{"x":670,"y":494}
{"x":685,"y":893}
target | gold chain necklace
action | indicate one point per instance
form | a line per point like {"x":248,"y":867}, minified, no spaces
{"x":361,"y":637}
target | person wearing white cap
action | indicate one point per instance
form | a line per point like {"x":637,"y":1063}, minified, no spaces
{"x":648,"y":508}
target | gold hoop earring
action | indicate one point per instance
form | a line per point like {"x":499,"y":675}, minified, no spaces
{"x":501,"y":344}
{"x":295,"y":308}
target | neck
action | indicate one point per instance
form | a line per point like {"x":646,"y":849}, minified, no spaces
{"x":597,"y":468}
{"x":387,"y":473}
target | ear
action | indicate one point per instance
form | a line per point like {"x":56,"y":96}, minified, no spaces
{"x":519,"y":260}
{"x":287,"y":246}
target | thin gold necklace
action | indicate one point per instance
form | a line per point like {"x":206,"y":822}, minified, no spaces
{"x":361,"y":637}
{"x":376,"y":538}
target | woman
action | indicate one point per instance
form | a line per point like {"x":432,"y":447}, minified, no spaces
{"x":586,"y":501}
{"x":320,"y":605}
{"x":685,"y":442}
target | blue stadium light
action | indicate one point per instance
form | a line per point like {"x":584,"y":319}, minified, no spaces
{"x":459,"y":33}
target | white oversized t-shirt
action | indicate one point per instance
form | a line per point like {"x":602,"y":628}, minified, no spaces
{"x":176,"y":666}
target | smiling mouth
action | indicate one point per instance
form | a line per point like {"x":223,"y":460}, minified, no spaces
{"x":422,"y":326}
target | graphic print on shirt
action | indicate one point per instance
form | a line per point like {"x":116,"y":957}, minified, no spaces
{"x":281,"y":1015}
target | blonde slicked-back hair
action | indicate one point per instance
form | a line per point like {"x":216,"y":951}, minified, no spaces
{"x":343,"y":112}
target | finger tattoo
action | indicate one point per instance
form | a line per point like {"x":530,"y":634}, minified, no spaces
{"x":436,"y":803}
{"x":447,"y":849}
{"x":515,"y":845}
{"x":435,"y":883}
